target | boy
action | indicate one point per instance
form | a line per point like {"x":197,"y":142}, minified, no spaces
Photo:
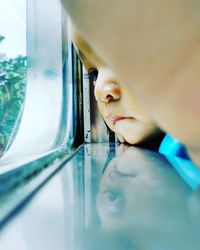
{"x":118,"y":108}
{"x":153,"y":47}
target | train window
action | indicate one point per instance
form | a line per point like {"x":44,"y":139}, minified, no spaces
{"x":47,"y":105}
{"x":38,"y":97}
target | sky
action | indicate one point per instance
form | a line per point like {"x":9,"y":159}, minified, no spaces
{"x":13,"y":27}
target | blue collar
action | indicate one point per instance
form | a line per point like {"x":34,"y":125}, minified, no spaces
{"x":176,"y":154}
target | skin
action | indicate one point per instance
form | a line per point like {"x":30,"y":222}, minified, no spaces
{"x":153,"y":47}
{"x":119,"y":109}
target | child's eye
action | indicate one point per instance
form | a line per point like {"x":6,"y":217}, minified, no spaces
{"x":93,"y":74}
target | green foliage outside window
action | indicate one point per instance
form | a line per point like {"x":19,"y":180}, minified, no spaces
{"x":12,"y":94}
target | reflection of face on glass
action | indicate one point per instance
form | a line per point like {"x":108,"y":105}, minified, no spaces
{"x":118,"y":108}
{"x":139,"y":190}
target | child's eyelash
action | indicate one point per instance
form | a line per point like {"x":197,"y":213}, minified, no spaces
{"x":93,"y":74}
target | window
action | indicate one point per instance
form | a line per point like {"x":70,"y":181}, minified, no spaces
{"x":38,"y":107}
{"x":41,"y":90}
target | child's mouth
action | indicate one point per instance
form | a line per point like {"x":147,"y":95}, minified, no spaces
{"x":116,"y":118}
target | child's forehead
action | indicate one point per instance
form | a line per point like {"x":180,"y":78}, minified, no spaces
{"x":81,"y":44}
{"x":85,"y":51}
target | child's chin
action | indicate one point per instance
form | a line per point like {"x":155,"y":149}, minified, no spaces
{"x":131,"y":140}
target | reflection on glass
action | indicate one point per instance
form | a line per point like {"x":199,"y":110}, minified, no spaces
{"x":139,"y":203}
{"x":13,"y":67}
{"x":143,"y":201}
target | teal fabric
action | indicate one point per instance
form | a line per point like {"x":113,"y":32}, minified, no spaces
{"x":171,"y":146}
{"x":177,"y":155}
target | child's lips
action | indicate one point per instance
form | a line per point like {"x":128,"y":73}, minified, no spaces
{"x":115,"y":118}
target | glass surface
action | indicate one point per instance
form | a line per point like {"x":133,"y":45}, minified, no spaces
{"x":13,"y":67}
{"x":44,"y":123}
{"x":109,"y":197}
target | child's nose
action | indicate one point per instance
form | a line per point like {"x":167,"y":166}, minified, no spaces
{"x":108,"y":93}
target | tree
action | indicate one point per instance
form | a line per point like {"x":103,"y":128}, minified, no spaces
{"x":12,"y":95}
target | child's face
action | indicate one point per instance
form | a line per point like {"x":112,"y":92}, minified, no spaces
{"x":153,"y":46}
{"x":118,"y":108}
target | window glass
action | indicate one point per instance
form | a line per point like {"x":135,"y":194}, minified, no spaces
{"x":40,"y":91}
{"x":45,"y":89}
{"x":13,"y":67}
